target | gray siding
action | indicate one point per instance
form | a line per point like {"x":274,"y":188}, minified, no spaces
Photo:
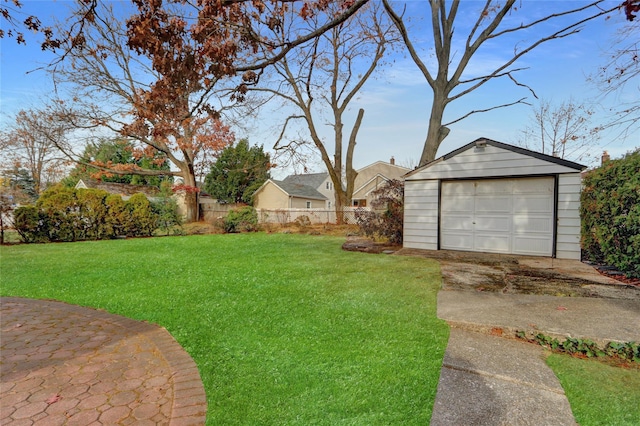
{"x":421,"y":215}
{"x":489,"y":161}
{"x":568,"y":236}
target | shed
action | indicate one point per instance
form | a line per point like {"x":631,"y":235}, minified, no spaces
{"x":489,"y":196}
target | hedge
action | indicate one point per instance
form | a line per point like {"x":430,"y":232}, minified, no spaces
{"x":66,"y":214}
{"x":610,"y":213}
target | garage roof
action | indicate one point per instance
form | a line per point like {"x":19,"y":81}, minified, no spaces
{"x":488,"y":158}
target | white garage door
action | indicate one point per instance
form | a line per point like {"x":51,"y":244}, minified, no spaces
{"x":498,"y":215}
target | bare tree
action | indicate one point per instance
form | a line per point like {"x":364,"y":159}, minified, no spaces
{"x":322,"y":79}
{"x":31,"y":142}
{"x":619,"y":78}
{"x":564,"y":131}
{"x":157,"y":77}
{"x":108,"y":89}
{"x":449,"y":78}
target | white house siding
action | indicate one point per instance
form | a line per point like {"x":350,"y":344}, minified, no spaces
{"x":568,"y":234}
{"x":489,"y":161}
{"x":421,"y":215}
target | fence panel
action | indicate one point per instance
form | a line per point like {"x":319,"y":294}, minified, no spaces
{"x":316,"y":216}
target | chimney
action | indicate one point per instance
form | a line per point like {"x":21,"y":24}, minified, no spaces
{"x":392,"y":161}
{"x":605,"y":157}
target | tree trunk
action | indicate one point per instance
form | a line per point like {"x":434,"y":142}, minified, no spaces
{"x":191,"y":202}
{"x":436,"y":132}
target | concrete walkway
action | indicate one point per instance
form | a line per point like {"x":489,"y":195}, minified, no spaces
{"x":67,"y":365}
{"x":491,"y":380}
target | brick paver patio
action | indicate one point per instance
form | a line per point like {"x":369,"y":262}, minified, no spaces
{"x":63,"y":364}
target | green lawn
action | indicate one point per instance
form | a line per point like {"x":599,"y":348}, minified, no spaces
{"x":285,"y":329}
{"x":599,"y":394}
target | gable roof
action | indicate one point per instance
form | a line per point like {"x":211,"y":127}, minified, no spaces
{"x":313,"y":180}
{"x":384,"y":163}
{"x":519,"y":150}
{"x":537,"y":163}
{"x":294,"y":189}
{"x":364,"y":185}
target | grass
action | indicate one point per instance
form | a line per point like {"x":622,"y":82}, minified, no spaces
{"x":599,"y":394}
{"x":285,"y":329}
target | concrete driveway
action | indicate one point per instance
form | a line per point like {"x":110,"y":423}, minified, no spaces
{"x":508,"y":274}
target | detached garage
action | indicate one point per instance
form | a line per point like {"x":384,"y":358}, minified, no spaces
{"x":492,"y":197}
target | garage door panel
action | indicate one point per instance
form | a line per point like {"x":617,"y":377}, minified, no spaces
{"x":457,"y":204}
{"x":459,"y":188}
{"x":533,"y":186}
{"x":532,"y":225}
{"x":492,"y":223}
{"x":457,"y":223}
{"x":531,"y":245}
{"x":533,"y":204}
{"x":488,"y":204}
{"x":457,"y":240}
{"x":493,"y":187}
{"x":498,"y":215}
{"x":492,"y":243}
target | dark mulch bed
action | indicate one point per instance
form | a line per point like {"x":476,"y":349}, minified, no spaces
{"x":366,"y":245}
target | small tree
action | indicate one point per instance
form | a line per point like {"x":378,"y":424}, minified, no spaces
{"x":610,"y":212}
{"x":564,"y":130}
{"x":387,"y":219}
{"x":239,"y":171}
{"x":166,"y":210}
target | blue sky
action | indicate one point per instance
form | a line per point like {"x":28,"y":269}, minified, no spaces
{"x":397,"y":102}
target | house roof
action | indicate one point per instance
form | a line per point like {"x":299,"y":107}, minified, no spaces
{"x":294,"y":189}
{"x":512,"y":148}
{"x":364,"y":185}
{"x":313,"y":180}
{"x":122,"y":189}
{"x":383,"y":163}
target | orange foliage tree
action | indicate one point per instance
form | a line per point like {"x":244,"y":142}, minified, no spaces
{"x":156,"y":76}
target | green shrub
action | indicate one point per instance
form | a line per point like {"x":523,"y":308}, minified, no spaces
{"x":168,"y":217}
{"x":61,"y":207}
{"x":67,"y":214}
{"x":143,"y":219}
{"x":31,"y":224}
{"x":93,"y":214}
{"x":243,"y":219}
{"x":118,"y":218}
{"x":610,"y":213}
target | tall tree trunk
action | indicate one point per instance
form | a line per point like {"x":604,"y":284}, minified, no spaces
{"x":191,"y":203}
{"x":436,"y":132}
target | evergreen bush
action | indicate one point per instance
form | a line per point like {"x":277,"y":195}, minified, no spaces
{"x":243,"y":219}
{"x":610,"y":213}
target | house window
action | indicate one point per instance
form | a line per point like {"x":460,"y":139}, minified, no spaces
{"x":329,"y":185}
{"x":328,"y":204}
{"x":308,"y":204}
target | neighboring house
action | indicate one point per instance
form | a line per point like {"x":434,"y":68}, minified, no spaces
{"x":123,"y":189}
{"x":373,"y":176}
{"x":308,"y":191}
{"x":492,"y":197}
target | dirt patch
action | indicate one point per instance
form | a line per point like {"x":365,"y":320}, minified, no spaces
{"x":510,"y":274}
{"x":367,"y":245}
